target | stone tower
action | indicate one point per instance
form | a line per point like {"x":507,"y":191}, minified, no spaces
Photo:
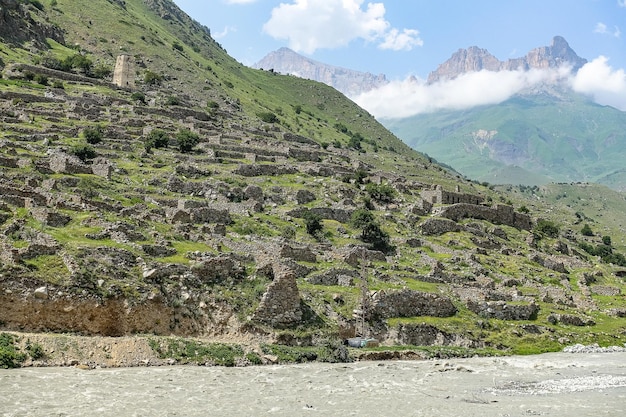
{"x":124,"y":73}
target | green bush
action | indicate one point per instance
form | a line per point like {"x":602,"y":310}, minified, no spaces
{"x":313,"y":223}
{"x":35,"y":350}
{"x":93,"y":135}
{"x":177,"y":46}
{"x":186,"y":140}
{"x":268,"y":117}
{"x":546,"y":228}
{"x":383,"y":193}
{"x":172,"y":101}
{"x":10,"y":357}
{"x":41,"y":79}
{"x":586,"y":230}
{"x":371,"y":231}
{"x":152,"y":78}
{"x":83,"y":151}
{"x":157,"y":138}
{"x":101,"y":71}
{"x":138,"y":96}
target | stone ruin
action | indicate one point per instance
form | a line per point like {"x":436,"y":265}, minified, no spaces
{"x":124,"y":73}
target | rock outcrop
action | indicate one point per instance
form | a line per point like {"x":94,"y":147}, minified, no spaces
{"x":475,"y":59}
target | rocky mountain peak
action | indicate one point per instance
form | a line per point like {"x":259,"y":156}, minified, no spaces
{"x":477,"y":59}
{"x":349,"y":82}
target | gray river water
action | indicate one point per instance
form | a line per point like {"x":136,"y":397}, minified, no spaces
{"x":556,"y":384}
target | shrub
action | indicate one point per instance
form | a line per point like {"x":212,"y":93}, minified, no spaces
{"x":101,"y":71}
{"x":93,"y":135}
{"x":138,"y":96}
{"x":152,"y":78}
{"x":213,"y":105}
{"x":524,"y":209}
{"x":371,"y":231}
{"x":35,"y":350}
{"x":606,"y":240}
{"x":546,"y":228}
{"x":172,"y":101}
{"x":177,"y":46}
{"x":58,"y":84}
{"x":83,"y":152}
{"x":157,"y":138}
{"x":383,"y":193}
{"x":313,"y":223}
{"x":268,"y":117}
{"x":41,"y":79}
{"x":186,"y":140}
{"x":586,"y":230}
{"x":10,"y":357}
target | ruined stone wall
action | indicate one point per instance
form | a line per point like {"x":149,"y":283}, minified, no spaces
{"x":441,"y":196}
{"x":499,"y":214}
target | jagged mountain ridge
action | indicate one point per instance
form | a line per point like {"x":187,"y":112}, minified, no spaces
{"x":476,"y":59}
{"x":250,"y":235}
{"x":350,"y":82}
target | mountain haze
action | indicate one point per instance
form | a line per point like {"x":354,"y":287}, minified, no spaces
{"x":350,"y":82}
{"x":152,"y":186}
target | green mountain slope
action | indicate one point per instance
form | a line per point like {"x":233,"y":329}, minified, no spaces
{"x":529,"y":139}
{"x":232,"y":204}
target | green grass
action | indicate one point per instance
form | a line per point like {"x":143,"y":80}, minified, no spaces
{"x":186,"y":351}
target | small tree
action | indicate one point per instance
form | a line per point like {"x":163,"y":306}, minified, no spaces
{"x":157,"y":138}
{"x":83,"y":152}
{"x":152,"y":78}
{"x":586,"y":230}
{"x":93,"y":135}
{"x":546,"y":228}
{"x":371,"y":232}
{"x":186,"y":140}
{"x":313,"y":223}
{"x":606,"y":240}
{"x":383,"y":193}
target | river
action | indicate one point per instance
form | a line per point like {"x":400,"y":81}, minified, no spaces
{"x":554,"y":384}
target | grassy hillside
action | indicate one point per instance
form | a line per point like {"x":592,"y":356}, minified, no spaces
{"x":530,"y":139}
{"x":227,"y":203}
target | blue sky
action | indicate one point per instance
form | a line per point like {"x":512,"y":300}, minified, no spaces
{"x":401,"y":38}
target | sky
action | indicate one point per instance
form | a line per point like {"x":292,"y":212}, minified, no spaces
{"x":407,"y":39}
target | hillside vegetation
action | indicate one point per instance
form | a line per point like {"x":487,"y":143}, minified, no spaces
{"x":531,"y":139}
{"x":230,"y":204}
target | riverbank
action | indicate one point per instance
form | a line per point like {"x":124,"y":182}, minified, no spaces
{"x":98,"y":352}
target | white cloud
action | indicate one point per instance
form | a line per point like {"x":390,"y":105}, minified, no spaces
{"x":223,"y":33}
{"x":400,"y":99}
{"x":410,"y":97}
{"x":311,"y":25}
{"x":606,"y":85}
{"x":602,"y":29}
{"x":401,"y":41}
{"x":621,"y":3}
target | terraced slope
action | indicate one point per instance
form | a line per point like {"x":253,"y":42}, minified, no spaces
{"x":222,"y":202}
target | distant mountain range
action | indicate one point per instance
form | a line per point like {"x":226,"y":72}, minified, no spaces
{"x":349,"y":82}
{"x":477,"y":59}
{"x":549,"y":134}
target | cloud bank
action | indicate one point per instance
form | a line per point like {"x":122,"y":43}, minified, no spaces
{"x":319,"y":24}
{"x":400,"y":99}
